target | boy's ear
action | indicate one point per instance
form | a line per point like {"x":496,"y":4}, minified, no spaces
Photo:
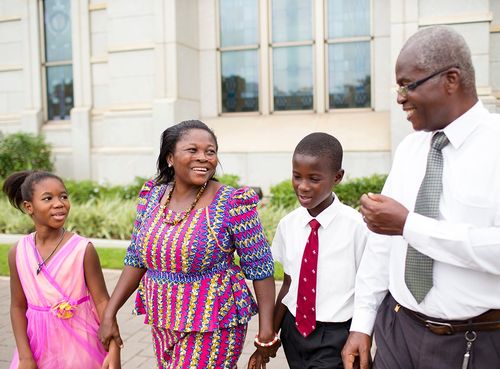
{"x":338,"y":176}
{"x":28,"y":207}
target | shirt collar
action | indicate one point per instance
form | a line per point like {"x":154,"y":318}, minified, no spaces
{"x":458,"y":130}
{"x":326,"y":216}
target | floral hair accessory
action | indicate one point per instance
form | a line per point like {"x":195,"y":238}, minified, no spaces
{"x":63,"y":310}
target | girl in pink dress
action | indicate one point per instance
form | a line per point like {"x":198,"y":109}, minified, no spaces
{"x":57,"y":287}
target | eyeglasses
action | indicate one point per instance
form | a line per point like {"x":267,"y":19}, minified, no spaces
{"x":403,"y":90}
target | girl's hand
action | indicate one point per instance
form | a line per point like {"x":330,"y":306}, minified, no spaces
{"x":112,"y":360}
{"x":27,"y":364}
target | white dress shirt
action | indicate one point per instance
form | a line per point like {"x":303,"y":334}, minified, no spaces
{"x":342,"y":238}
{"x":464,"y":241}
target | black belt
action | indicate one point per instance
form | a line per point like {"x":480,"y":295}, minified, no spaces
{"x":487,"y":321}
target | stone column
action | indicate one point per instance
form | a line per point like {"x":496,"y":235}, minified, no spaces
{"x":176,"y":93}
{"x":80,"y":114}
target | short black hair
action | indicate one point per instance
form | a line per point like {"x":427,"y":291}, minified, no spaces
{"x":169,"y":139}
{"x":322,"y":144}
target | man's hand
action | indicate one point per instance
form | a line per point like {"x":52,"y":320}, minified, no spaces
{"x":383,"y":214}
{"x":356,"y":351}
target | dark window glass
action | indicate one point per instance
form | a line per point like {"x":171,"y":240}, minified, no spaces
{"x":348,"y":18}
{"x":293,"y":78}
{"x":240,"y":81}
{"x":350,"y":82}
{"x":238,"y":22}
{"x":292,"y":20}
{"x":59,"y":92}
{"x":57,"y":22}
{"x":58,"y":58}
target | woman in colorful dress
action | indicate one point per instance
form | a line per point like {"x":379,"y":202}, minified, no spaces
{"x":181,"y":257}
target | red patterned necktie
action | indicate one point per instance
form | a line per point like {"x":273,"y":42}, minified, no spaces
{"x":305,"y":317}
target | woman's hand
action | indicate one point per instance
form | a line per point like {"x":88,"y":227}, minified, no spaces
{"x":108,"y":331}
{"x":268,"y":351}
{"x":257,"y":361}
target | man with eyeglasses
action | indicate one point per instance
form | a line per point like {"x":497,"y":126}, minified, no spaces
{"x":429,"y":282}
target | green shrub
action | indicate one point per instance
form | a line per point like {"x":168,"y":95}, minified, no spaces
{"x":283,"y":195}
{"x":103,"y":218}
{"x":229,"y":179}
{"x":12,"y":220}
{"x":270,"y":216}
{"x":108,"y":218}
{"x":23,"y":151}
{"x":348,"y":192}
{"x":83,"y":191}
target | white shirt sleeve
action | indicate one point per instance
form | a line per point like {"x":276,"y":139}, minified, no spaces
{"x":278,"y":245}
{"x":372,"y":279}
{"x":360,"y":239}
{"x":372,"y":282}
{"x":462,"y":245}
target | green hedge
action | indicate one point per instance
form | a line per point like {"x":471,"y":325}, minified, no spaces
{"x":81,"y":192}
{"x":349,"y":192}
{"x":108,"y":212}
{"x":23,"y":151}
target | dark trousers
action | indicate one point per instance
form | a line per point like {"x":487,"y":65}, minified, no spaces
{"x":320,"y":350}
{"x":403,"y":343}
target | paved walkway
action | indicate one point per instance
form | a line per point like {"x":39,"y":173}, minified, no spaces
{"x":138,"y":352}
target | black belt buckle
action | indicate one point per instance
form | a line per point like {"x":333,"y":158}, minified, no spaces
{"x":446,"y":328}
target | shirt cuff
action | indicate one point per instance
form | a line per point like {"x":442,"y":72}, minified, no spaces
{"x":412,"y":231}
{"x":363,"y":321}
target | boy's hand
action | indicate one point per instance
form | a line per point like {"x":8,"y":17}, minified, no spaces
{"x":356,"y":351}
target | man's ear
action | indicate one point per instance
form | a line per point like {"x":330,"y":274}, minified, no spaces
{"x":453,"y":78}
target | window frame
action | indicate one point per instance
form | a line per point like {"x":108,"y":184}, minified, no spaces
{"x":282,"y":44}
{"x":320,"y":65}
{"x":45,"y":65}
{"x":345,"y":40}
{"x":220,"y":50}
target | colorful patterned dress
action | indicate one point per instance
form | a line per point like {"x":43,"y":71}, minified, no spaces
{"x":194,"y":295}
{"x":62,"y":319}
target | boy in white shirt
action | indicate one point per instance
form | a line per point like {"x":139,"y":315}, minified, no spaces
{"x":315,"y":304}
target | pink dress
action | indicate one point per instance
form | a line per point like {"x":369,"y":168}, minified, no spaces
{"x":62,"y":319}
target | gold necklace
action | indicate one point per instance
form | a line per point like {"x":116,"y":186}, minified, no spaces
{"x":42,"y":263}
{"x":179,"y":218}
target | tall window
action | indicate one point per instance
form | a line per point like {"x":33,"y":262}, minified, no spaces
{"x":293,"y":39}
{"x":292,"y":54}
{"x":349,"y":56}
{"x":57,"y":58}
{"x":239,"y":60}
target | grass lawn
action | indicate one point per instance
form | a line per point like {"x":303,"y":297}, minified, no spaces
{"x":4,"y":264}
{"x":110,"y":259}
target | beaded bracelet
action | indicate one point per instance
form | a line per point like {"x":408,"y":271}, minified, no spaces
{"x":266,"y":344}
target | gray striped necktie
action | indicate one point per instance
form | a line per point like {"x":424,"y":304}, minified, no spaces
{"x":418,"y":268}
